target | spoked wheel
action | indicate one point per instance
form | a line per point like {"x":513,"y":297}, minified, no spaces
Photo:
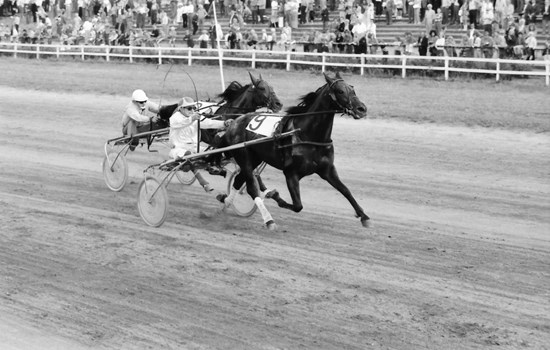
{"x":115,"y":171}
{"x":186,"y":177}
{"x":243,"y":204}
{"x":152,"y":201}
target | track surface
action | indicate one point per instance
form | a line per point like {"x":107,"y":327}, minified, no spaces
{"x":458,"y":256}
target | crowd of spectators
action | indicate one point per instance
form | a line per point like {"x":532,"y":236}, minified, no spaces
{"x":492,"y":28}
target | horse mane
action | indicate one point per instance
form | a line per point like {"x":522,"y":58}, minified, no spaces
{"x":306,"y":102}
{"x":234,"y":90}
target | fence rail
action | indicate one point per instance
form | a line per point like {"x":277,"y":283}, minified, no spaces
{"x":361,"y":62}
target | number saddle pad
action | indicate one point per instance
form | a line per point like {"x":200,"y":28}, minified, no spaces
{"x":264,"y":124}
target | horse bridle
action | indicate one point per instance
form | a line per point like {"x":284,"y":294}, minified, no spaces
{"x":269,"y":99}
{"x":346,"y":109}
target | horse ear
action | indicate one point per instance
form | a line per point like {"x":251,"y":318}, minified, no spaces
{"x":338,"y":75}
{"x":253,"y":79}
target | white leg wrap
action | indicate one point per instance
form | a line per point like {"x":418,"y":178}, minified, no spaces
{"x":262,"y":195}
{"x":263,"y":210}
{"x":230,"y":197}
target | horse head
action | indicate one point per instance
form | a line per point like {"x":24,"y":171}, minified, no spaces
{"x":264,"y":95}
{"x":345,"y":98}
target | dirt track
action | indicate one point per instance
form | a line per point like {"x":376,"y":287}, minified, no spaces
{"x":458,"y":256}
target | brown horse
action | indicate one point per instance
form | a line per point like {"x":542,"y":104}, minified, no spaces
{"x":308,"y":151}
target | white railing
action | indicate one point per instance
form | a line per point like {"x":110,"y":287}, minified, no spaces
{"x":361,"y":62}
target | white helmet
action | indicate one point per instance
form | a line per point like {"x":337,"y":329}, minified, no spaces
{"x":187,"y":102}
{"x":139,"y":96}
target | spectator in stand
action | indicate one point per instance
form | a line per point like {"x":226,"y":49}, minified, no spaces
{"x":438,"y":21}
{"x":530,"y":45}
{"x":203,"y":39}
{"x":261,"y":10}
{"x":422,"y":44}
{"x":546,"y":52}
{"x":546,"y":17}
{"x":453,"y":12}
{"x":390,"y":10}
{"x":417,"y":5}
{"x":263,"y":40}
{"x":271,"y":39}
{"x":172,"y":34}
{"x":445,"y":11}
{"x":325,"y":18}
{"x":530,"y":14}
{"x":378,"y":8}
{"x":294,"y":9}
{"x":519,"y":47}
{"x":476,"y":44}
{"x":215,"y":32}
{"x":410,"y":11}
{"x":188,"y":39}
{"x":429,"y":18}
{"x":500,"y":10}
{"x":174,"y":15}
{"x":252,"y":39}
{"x":399,"y":8}
{"x":487,"y":16}
{"x":464,"y":14}
{"x":432,"y":38}
{"x":487,"y":44}
{"x":408,"y":43}
{"x":473,"y":12}
{"x":274,"y":18}
{"x":500,"y":43}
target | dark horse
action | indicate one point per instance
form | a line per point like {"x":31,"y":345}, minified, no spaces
{"x":235,"y":101}
{"x":308,"y":151}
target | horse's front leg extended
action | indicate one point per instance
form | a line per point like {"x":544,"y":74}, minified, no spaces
{"x":293,"y":184}
{"x":331,"y":176}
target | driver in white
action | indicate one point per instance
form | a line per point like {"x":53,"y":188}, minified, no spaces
{"x":135,"y":114}
{"x":184,"y":132}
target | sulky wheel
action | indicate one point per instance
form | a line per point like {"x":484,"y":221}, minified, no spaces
{"x":115,"y":171}
{"x":186,"y":177}
{"x":152,"y":201}
{"x":243,"y":204}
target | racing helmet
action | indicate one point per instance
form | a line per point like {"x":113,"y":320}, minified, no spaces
{"x":139,"y":96}
{"x":187,"y":102}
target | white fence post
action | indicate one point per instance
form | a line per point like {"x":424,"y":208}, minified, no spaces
{"x":253,"y":59}
{"x":57,"y":52}
{"x":446,"y":67}
{"x":160,"y":55}
{"x":15,"y":51}
{"x":130,"y":54}
{"x":82,"y":51}
{"x":37,"y":51}
{"x":107,"y":49}
{"x":498,"y":71}
{"x":548,"y":71}
{"x":404,"y":65}
{"x":362,"y":64}
{"x":323,"y":61}
{"x":288,"y":61}
{"x":189,"y":60}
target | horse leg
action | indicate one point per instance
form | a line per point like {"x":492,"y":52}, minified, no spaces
{"x":331,"y":176}
{"x":227,"y":199}
{"x":293,"y":184}
{"x":254,"y":192}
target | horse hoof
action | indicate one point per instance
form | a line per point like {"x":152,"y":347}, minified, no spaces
{"x":221,"y":197}
{"x":271,"y":225}
{"x":271,"y":194}
{"x":366,"y":223}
